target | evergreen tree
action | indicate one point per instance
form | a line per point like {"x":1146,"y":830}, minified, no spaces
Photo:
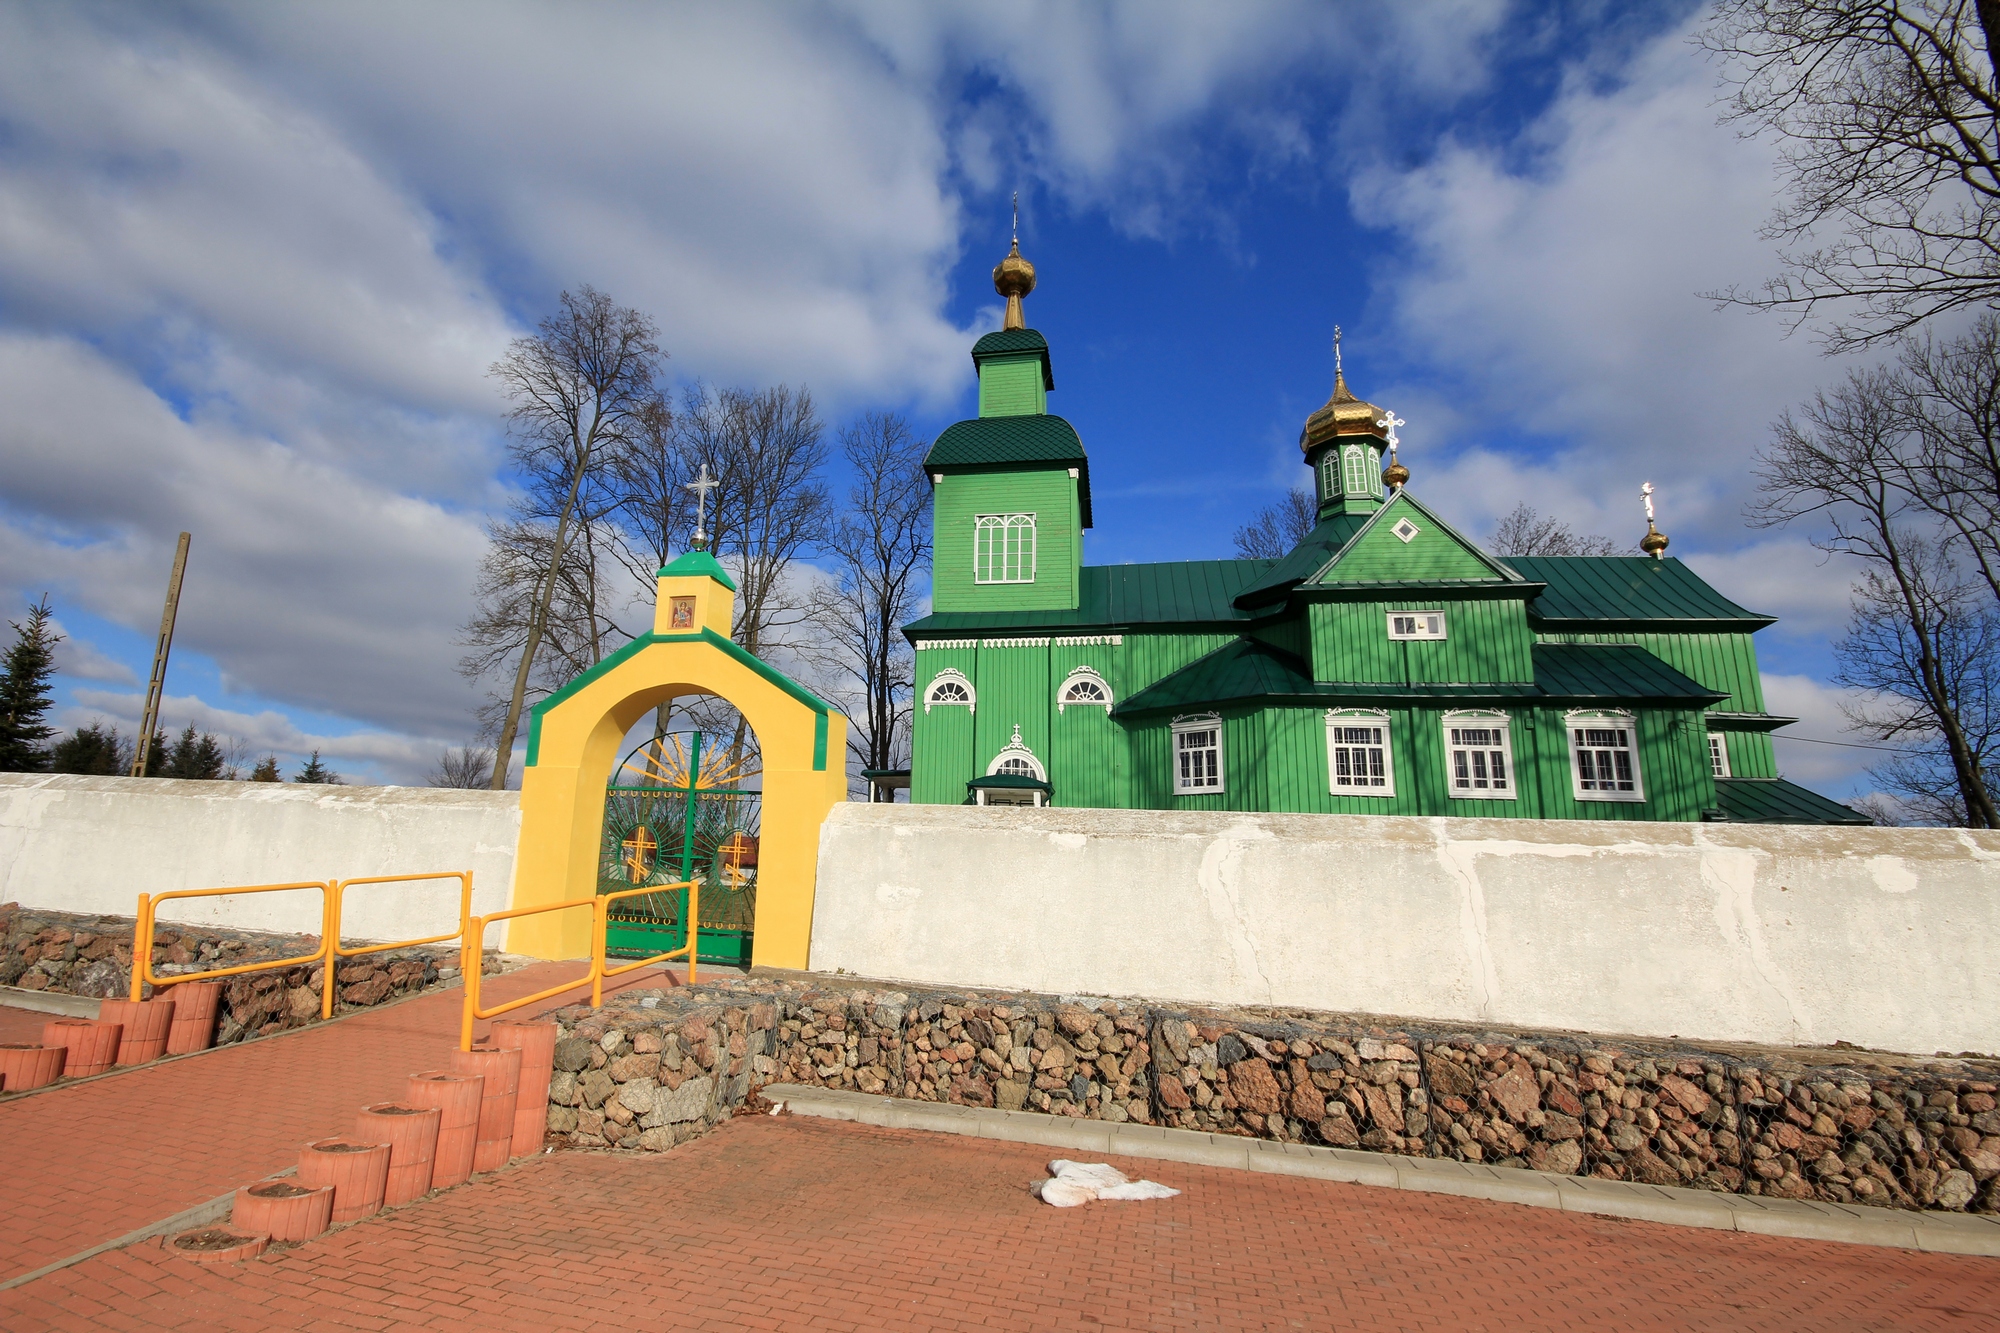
{"x":96,"y":749}
{"x":266,"y":770}
{"x":193,"y":756}
{"x":315,"y":771}
{"x":24,"y":693}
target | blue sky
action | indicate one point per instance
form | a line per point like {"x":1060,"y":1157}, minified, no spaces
{"x":255,"y":259}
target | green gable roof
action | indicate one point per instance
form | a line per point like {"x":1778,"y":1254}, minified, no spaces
{"x":1776,"y":801}
{"x":1180,"y":592}
{"x":1016,"y":342}
{"x":1438,"y":552}
{"x":999,"y":443}
{"x":1303,"y":561}
{"x":1249,"y":670}
{"x":1629,"y":588}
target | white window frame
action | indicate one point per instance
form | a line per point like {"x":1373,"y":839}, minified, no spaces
{"x":1603,"y":719}
{"x":1374,"y":471}
{"x":1017,"y":566}
{"x":1478,"y":757}
{"x":1718,"y":754}
{"x":1344,"y":719}
{"x":1406,"y":531}
{"x":1354,"y":470}
{"x":951,"y":676}
{"x":1329,"y":475}
{"x":1425,"y":625}
{"x":1201,"y":784}
{"x":1083,"y":676}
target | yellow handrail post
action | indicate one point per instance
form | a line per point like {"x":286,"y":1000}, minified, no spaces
{"x":142,"y":947}
{"x":338,"y":904}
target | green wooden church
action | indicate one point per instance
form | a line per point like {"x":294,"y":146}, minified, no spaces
{"x":1386,"y":665}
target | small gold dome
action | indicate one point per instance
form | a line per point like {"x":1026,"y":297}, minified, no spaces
{"x":1395,"y":475}
{"x":1014,"y":278}
{"x":1342,"y":414}
{"x":1654,"y":543}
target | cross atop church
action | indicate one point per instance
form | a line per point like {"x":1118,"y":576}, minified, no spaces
{"x":1646,"y":493}
{"x":1336,"y":351}
{"x":701,"y":486}
{"x":1388,"y":422}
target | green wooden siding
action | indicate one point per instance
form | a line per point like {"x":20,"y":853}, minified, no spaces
{"x":1432,"y":554}
{"x":1050,"y":494}
{"x":1014,"y":689}
{"x":1751,"y":754}
{"x":941,"y":753}
{"x":1011,"y":386}
{"x":1723,"y":660}
{"x":1486,"y":641}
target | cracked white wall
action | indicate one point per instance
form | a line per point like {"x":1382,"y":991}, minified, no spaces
{"x":1880,"y":937}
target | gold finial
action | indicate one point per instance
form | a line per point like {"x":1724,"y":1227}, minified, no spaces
{"x":1654,"y":543}
{"x":1342,"y":414}
{"x":1014,"y":277}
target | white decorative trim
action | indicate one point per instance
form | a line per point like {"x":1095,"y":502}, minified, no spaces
{"x":1089,"y":641}
{"x":951,"y":676}
{"x":1366,"y":717}
{"x":1503,"y":788}
{"x":1405,"y":530}
{"x":1084,"y":675}
{"x":1015,"y":643}
{"x":946,"y":643}
{"x":1618,"y":718}
{"x":1003,"y":526}
{"x":1203,"y":786}
{"x":1017,"y":749}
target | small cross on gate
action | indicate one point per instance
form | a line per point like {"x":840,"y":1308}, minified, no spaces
{"x":701,"y":487}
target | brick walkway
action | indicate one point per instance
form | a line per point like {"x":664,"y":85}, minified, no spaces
{"x":800,"y":1224}
{"x":22,"y":1024}
{"x":86,"y":1164}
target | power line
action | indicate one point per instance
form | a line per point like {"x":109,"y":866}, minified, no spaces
{"x":1851,"y":745}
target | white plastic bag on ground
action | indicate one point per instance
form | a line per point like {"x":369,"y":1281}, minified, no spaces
{"x":1077,"y":1183}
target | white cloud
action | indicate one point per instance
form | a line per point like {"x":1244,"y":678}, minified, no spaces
{"x":370,"y":756}
{"x":80,"y":659}
{"x":1803,"y":755}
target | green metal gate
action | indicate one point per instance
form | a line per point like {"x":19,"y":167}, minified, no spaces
{"x":684,"y":820}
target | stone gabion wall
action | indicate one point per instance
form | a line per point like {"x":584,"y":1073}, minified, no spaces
{"x":654,"y":1068}
{"x":71,"y":954}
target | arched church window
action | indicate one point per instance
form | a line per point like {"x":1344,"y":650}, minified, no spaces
{"x":1003,"y":548}
{"x":1355,"y":466}
{"x":1375,"y":472}
{"x":949,"y":687}
{"x":1329,"y":477}
{"x":1083,"y":686}
{"x":1017,"y":760}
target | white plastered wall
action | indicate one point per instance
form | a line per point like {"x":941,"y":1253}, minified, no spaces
{"x":88,"y":844}
{"x":1796,"y":935}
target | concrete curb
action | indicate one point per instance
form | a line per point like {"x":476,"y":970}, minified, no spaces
{"x":49,"y":1002}
{"x":1938,"y":1233}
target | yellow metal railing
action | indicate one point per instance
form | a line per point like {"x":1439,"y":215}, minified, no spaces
{"x":475,"y":933}
{"x":340,"y":888}
{"x":142,"y":937}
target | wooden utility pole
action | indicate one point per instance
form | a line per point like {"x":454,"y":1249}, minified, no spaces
{"x":157,"y":684}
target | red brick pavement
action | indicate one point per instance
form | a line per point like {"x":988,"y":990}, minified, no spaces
{"x":88,"y":1163}
{"x":800,"y":1224}
{"x":22,"y":1024}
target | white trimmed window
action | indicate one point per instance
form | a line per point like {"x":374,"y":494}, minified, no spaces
{"x":949,"y":688}
{"x":1197,"y":755}
{"x":1084,"y":687}
{"x":1479,"y":756}
{"x":1003,"y":548}
{"x":1416,"y":624}
{"x":1328,"y":476}
{"x":1718,"y":754}
{"x":1604,"y":757}
{"x":1358,"y":761}
{"x":1375,"y":472}
{"x":1354,"y":469}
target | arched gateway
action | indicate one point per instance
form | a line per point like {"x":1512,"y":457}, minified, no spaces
{"x":574,"y":737}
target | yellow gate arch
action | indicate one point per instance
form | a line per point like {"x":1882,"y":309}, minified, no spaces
{"x":573,"y":739}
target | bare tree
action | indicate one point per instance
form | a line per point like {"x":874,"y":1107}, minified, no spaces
{"x":1526,"y":532}
{"x":1887,"y":112}
{"x":883,"y":546}
{"x":1851,"y":459}
{"x":462,"y":766}
{"x":1953,"y":398}
{"x":576,"y":387}
{"x":1278,"y":527}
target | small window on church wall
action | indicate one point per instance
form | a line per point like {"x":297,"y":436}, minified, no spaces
{"x":1083,"y":686}
{"x":1375,"y":472}
{"x":1197,"y":755}
{"x":1604,"y":758}
{"x":1358,"y":761}
{"x":1003,"y":548}
{"x":1405,"y":530}
{"x":1416,"y":624}
{"x":1328,"y":489}
{"x":1718,"y":755}
{"x":1479,"y":756}
{"x":950,"y":687}
{"x":1355,"y":465}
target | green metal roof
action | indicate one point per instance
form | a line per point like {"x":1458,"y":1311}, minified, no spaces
{"x":1016,"y":342}
{"x":698,"y":562}
{"x":1776,"y":801}
{"x":1304,"y":560}
{"x":1179,"y":592}
{"x":1007,"y":782}
{"x":1010,"y":442}
{"x":1630,"y":588}
{"x":1250,"y":670}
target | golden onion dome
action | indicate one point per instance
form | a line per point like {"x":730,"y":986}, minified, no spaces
{"x":1342,"y":414}
{"x":1014,"y":278}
